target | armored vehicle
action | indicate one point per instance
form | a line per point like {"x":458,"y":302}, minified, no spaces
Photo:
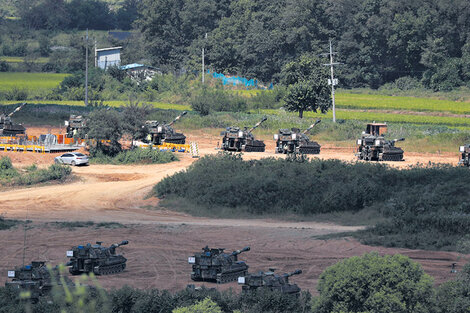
{"x":35,"y":278}
{"x":269,"y":280}
{"x":372,"y":146}
{"x":96,"y":259}
{"x":7,"y":128}
{"x":236,"y":139}
{"x":294,"y":141}
{"x":465,"y":155}
{"x":216,"y":266}
{"x":74,"y":124}
{"x":158,"y":133}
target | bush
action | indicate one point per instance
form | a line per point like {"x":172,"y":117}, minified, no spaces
{"x":372,"y":283}
{"x":138,"y":155}
{"x":217,"y":100}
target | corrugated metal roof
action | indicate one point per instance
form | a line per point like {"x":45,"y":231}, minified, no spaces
{"x":106,"y":49}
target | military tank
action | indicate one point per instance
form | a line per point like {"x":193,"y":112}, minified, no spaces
{"x":214,"y":265}
{"x":237,"y":139}
{"x":269,"y":280}
{"x":96,"y":259}
{"x":7,"y":128}
{"x":294,"y":141}
{"x":74,"y":125}
{"x":464,"y":155}
{"x":159,"y":133}
{"x":372,"y":146}
{"x":35,"y":278}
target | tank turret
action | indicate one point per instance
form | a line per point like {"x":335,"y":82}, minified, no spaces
{"x":7,"y":128}
{"x":96,"y":259}
{"x":237,"y":139}
{"x":372,"y":146}
{"x":294,"y":141}
{"x":214,"y":265}
{"x":35,"y":278}
{"x":270,"y":280}
{"x":158,"y":133}
{"x":74,"y":125}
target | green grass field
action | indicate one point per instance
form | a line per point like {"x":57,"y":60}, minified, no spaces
{"x":379,"y":102}
{"x":21,"y":60}
{"x":30,"y":81}
{"x":116,"y":103}
{"x":460,"y":122}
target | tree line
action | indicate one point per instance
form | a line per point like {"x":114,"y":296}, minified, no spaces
{"x":423,"y":43}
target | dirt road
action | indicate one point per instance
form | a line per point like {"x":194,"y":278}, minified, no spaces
{"x":161,"y":241}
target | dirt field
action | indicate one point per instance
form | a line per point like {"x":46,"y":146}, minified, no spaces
{"x":161,"y":241}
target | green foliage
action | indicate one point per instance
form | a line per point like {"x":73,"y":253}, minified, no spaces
{"x":9,"y":176}
{"x":204,"y":306}
{"x":105,"y":127}
{"x":371,"y":283}
{"x":136,"y":156}
{"x":307,"y":96}
{"x":454,"y":296}
{"x":217,"y":100}
{"x":7,"y":223}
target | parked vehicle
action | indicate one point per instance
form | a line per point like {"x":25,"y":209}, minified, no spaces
{"x":72,"y":158}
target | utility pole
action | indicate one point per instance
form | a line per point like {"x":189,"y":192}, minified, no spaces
{"x":332,"y":81}
{"x":203,"y":46}
{"x":86,"y":69}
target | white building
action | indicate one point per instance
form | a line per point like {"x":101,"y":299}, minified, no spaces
{"x":104,"y":58}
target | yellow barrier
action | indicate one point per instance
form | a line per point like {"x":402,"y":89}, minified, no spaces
{"x":24,"y":148}
{"x":170,"y":146}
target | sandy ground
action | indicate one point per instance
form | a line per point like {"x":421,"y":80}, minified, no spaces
{"x":161,"y":241}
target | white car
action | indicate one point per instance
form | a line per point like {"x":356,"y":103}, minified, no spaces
{"x":72,"y":158}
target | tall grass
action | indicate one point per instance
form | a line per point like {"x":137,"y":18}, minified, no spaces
{"x":136,"y":156}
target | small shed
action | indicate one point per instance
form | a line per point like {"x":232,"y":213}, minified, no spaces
{"x":140,"y":71}
{"x":106,"y":57}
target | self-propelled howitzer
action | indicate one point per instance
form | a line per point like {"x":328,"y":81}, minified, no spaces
{"x":96,"y":259}
{"x":214,"y":265}
{"x":159,"y":133}
{"x":270,"y":280}
{"x":372,"y":146}
{"x":294,"y":141}
{"x":36,"y":278}
{"x":7,"y":128}
{"x":237,"y":139}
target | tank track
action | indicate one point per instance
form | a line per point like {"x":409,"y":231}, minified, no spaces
{"x":229,"y":277}
{"x":111,"y":269}
{"x":392,"y":157}
{"x":176,"y":141}
{"x":249,"y":148}
{"x":309,"y":150}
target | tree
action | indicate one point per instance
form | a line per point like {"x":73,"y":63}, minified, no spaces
{"x":308,"y":88}
{"x":308,"y":96}
{"x":204,"y":306}
{"x":105,"y":127}
{"x":134,"y":116}
{"x":371,"y":283}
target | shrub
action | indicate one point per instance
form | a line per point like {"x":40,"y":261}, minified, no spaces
{"x":138,"y":155}
{"x":204,"y":306}
{"x":372,"y":283}
{"x":217,"y":100}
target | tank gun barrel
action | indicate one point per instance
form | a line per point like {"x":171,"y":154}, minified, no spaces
{"x":400,"y":139}
{"x":257,"y":124}
{"x":122,"y":243}
{"x":240,"y":251}
{"x":17,"y":109}
{"x":177,"y":118}
{"x":311,"y":126}
{"x":296,"y":272}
